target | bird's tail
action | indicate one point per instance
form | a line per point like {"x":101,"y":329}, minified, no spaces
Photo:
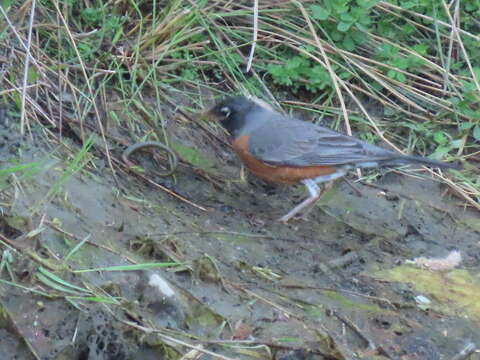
{"x":411,"y":159}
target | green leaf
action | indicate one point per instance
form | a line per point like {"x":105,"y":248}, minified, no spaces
{"x":454,"y":100}
{"x":440,"y":138}
{"x":348,"y":43}
{"x":414,"y":61}
{"x":358,"y":36}
{"x":471,"y":6}
{"x":5,"y":4}
{"x":367,"y":4}
{"x":401,"y":77}
{"x":408,"y":29}
{"x":476,"y":132}
{"x":421,"y":49}
{"x":400,"y":62}
{"x":340,"y":6}
{"x":464,"y":109}
{"x":456,"y":144}
{"x":189,"y":74}
{"x":336,"y":35}
{"x":468,"y":86}
{"x":408,"y":4}
{"x":344,"y":26}
{"x":319,"y":12}
{"x":347,"y":17}
{"x":42,"y":278}
{"x":385,"y":28}
{"x":440,"y":152}
{"x":17,"y":100}
{"x":476,"y":71}
{"x":55,"y":278}
{"x":319,"y":78}
{"x":465,"y":126}
{"x":32,"y":75}
{"x":386,"y":51}
{"x":91,"y":16}
{"x":364,"y":20}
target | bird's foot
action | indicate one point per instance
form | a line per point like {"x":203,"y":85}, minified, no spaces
{"x":293,"y":217}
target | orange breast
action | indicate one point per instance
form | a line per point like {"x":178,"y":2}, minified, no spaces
{"x":277,"y":173}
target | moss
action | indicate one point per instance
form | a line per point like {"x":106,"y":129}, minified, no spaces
{"x":452,"y":292}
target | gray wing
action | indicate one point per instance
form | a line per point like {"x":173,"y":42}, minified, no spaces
{"x":287,"y":141}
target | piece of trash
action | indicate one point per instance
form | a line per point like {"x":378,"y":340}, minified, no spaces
{"x":423,"y":302}
{"x":161,"y":285}
{"x":420,"y":299}
{"x":452,"y":260}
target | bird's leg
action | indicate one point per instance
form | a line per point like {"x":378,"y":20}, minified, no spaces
{"x":325,"y":187}
{"x":315,"y":194}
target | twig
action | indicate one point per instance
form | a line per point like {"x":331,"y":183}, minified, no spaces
{"x":460,"y":42}
{"x":174,"y":340}
{"x":374,"y":298}
{"x":468,"y":350}
{"x":17,"y":35}
{"x":255,"y":35}
{"x":328,"y":66}
{"x":171,"y":192}
{"x":353,"y":187}
{"x":356,"y":329}
{"x":26,"y":66}
{"x":265,"y":300}
{"x":242,"y":343}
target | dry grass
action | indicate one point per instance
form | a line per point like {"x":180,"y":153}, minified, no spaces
{"x":88,"y":71}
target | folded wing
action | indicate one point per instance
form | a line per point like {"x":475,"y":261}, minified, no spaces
{"x":286,"y":141}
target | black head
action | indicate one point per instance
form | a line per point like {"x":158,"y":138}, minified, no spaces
{"x":232,"y":113}
{"x":230,"y":107}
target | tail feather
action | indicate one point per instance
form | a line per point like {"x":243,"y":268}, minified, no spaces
{"x":410,"y":159}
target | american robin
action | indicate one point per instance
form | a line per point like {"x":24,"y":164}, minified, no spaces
{"x":282,"y":149}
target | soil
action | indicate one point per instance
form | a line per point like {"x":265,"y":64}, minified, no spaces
{"x":336,"y":285}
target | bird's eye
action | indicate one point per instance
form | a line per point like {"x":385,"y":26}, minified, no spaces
{"x":225,"y":111}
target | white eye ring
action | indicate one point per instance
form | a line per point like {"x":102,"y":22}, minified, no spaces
{"x":225,"y":111}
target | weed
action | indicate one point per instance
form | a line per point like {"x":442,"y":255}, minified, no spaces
{"x":299,"y":71}
{"x":346,"y":22}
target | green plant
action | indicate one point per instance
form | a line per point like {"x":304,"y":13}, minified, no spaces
{"x":434,"y":10}
{"x":346,"y":22}
{"x":391,"y":55}
{"x":298,"y":71}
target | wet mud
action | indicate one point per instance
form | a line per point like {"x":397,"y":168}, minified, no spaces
{"x":337,"y":285}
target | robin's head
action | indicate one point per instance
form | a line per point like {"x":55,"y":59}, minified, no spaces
{"x":231,"y":107}
{"x":234,"y":112}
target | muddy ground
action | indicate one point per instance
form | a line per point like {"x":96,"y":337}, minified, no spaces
{"x":335,"y":286}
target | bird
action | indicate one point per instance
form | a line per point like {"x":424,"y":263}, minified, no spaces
{"x":282,"y":149}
